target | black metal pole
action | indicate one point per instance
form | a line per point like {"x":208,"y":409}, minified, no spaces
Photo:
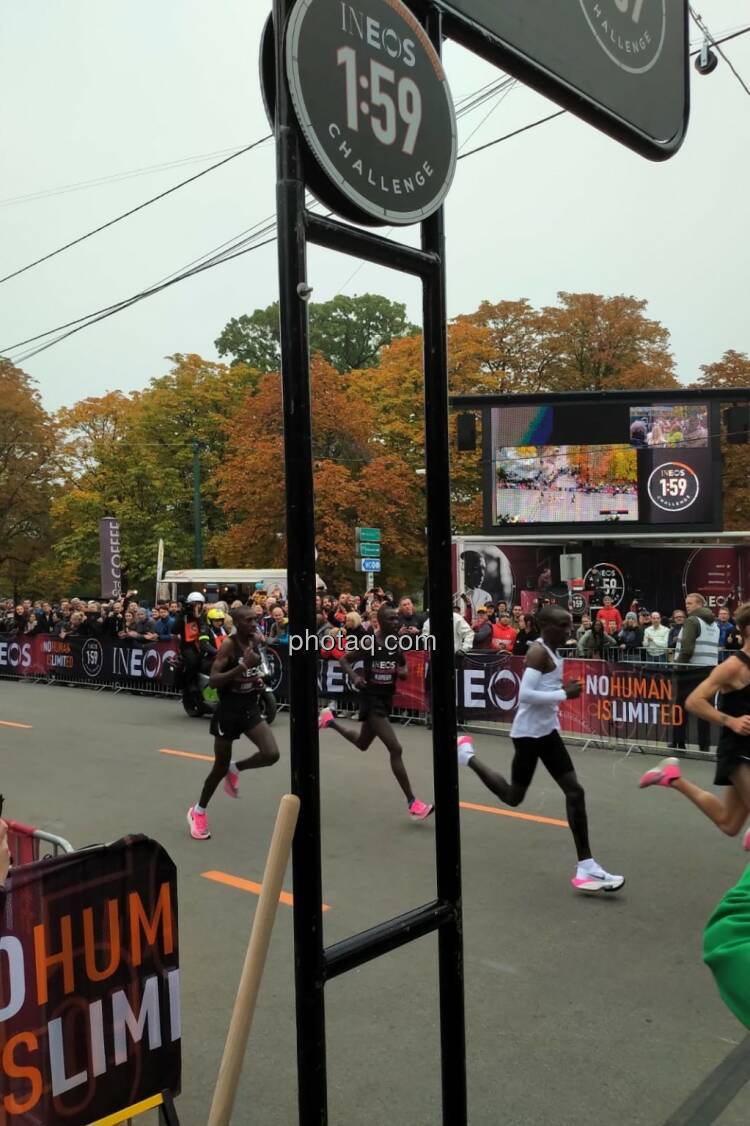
{"x":197,"y":526}
{"x":443,"y":694}
{"x":300,"y":523}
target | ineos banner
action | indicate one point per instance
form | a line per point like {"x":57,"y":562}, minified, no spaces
{"x":109,"y":548}
{"x":90,"y":997}
{"x":85,"y":659}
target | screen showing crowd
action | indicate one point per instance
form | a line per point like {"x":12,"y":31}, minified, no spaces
{"x":665,"y":426}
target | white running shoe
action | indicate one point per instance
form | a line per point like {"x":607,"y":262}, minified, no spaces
{"x":597,"y":881}
{"x":465,"y":749}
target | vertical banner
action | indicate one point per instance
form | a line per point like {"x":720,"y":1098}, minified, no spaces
{"x":109,"y":548}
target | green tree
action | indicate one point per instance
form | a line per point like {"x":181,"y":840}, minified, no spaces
{"x":347,"y":331}
{"x":27,"y":449}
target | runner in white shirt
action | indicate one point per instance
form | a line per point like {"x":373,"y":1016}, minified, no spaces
{"x":536,"y":738}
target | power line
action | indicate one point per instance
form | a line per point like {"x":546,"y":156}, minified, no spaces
{"x":102,"y":314}
{"x":134,"y":210}
{"x":114,"y":177}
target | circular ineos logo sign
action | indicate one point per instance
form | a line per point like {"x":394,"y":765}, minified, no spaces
{"x":502,"y":690}
{"x":631,"y":32}
{"x":92,"y":657}
{"x":605,"y":578}
{"x":673,"y":487}
{"x":373,"y":103}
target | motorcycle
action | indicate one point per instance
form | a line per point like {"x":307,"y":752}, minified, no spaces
{"x":199,"y":698}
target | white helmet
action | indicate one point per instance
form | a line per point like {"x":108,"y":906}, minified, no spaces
{"x":195,"y":596}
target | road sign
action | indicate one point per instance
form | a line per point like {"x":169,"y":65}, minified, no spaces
{"x":370,"y":535}
{"x":620,"y":64}
{"x":373,"y":104}
{"x":370,"y":549}
{"x":368,"y":564}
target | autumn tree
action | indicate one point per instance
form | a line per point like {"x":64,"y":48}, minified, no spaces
{"x":601,"y":343}
{"x":347,"y":331}
{"x":732,"y":371}
{"x":355,"y":483}
{"x":131,"y":457}
{"x":27,"y":448}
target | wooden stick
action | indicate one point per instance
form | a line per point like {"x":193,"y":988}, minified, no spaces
{"x":255,"y":958}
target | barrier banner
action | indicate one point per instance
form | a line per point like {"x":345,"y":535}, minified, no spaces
{"x":89,"y":984}
{"x":109,"y":550}
{"x":621,"y":701}
{"x":85,"y":659}
{"x":410,"y":693}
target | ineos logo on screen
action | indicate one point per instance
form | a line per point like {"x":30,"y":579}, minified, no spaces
{"x":631,"y":32}
{"x":373,"y":104}
{"x":673,"y":486}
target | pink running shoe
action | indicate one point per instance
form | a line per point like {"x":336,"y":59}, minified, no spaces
{"x":746,"y":841}
{"x":663,"y":774}
{"x":232,"y":783}
{"x":418,"y":810}
{"x":326,"y":718}
{"x":198,"y":823}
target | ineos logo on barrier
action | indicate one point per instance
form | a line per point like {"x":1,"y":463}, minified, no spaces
{"x":15,"y":655}
{"x":92,"y":657}
{"x":502,"y":690}
{"x":630,"y":32}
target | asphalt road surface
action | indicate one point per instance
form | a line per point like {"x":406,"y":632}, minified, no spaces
{"x":580,"y":1010}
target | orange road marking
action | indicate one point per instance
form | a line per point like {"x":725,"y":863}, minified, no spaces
{"x":7,"y":723}
{"x":511,"y":813}
{"x":186,"y":754}
{"x":249,"y":885}
{"x":464,"y":805}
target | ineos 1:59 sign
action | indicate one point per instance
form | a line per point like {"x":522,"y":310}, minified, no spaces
{"x":621,"y":64}
{"x":373,"y":103}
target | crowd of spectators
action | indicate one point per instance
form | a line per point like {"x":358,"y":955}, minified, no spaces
{"x":641,"y":635}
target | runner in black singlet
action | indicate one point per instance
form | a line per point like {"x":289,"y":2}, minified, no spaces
{"x":376,"y":684}
{"x":731,"y":679}
{"x":238,"y":714}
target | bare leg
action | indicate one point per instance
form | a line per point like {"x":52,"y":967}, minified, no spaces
{"x":380,"y":726}
{"x":509,"y":792}
{"x":361,"y":739}
{"x":267,"y":753}
{"x":575,"y":805}
{"x":728,"y":815}
{"x":222,"y":758}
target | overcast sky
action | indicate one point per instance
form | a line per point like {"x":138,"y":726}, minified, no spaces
{"x":91,"y":89}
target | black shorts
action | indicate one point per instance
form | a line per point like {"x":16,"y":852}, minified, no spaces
{"x":374,"y":705}
{"x":548,"y":749}
{"x":730,"y":754}
{"x":234,"y":717}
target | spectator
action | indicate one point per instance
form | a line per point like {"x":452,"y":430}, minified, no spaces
{"x":630,"y":637}
{"x":697,"y":649}
{"x":644,"y":619}
{"x":278,"y":633}
{"x":128,"y":626}
{"x":463,"y":634}
{"x":482,"y":628}
{"x":144,"y":625}
{"x":677,"y":622}
{"x":584,"y":627}
{"x":409,"y":621}
{"x":114,"y":621}
{"x":656,"y":639}
{"x":609,"y":613}
{"x":596,"y":642}
{"x":78,"y":627}
{"x":517,"y":618}
{"x":163,"y":623}
{"x":729,"y":640}
{"x":353,"y":625}
{"x":527,"y":634}
{"x":503,"y":634}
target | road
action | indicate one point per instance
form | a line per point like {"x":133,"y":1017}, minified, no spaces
{"x":580,"y":1010}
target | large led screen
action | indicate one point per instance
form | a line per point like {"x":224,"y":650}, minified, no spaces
{"x":590,"y":465}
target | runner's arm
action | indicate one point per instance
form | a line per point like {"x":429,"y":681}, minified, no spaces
{"x":534,"y":666}
{"x":220,"y":675}
{"x":699,"y":700}
{"x":355,"y":676}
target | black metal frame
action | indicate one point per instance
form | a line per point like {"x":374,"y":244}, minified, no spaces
{"x":314,"y":963}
